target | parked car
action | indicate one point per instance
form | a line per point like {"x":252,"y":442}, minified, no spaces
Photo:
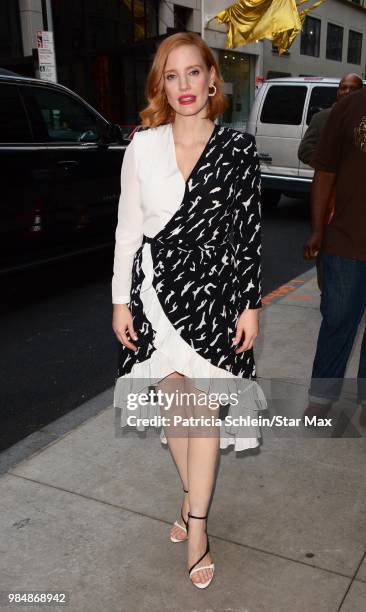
{"x":279,"y":117}
{"x":60,"y":172}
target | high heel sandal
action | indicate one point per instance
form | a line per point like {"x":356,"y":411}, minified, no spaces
{"x":172,"y":539}
{"x":200,"y":585}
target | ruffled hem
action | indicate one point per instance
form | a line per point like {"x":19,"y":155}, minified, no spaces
{"x":173,"y":353}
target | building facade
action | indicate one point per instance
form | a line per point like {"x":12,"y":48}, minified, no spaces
{"x":104,"y":48}
{"x":332,"y":44}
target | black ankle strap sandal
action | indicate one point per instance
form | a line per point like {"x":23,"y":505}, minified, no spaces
{"x":192,"y":570}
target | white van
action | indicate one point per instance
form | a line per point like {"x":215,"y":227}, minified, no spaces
{"x":279,"y":118}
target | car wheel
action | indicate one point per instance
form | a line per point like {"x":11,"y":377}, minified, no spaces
{"x":271,"y":198}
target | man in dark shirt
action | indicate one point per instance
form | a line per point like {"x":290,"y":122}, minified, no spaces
{"x":340,"y":162}
{"x":347,"y":85}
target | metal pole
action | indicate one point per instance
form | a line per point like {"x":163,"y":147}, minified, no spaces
{"x":49,"y":14}
{"x":44,"y":15}
{"x":48,"y":24}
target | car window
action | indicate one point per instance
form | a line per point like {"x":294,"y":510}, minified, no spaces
{"x":321,"y":97}
{"x":64,"y":119}
{"x":284,"y":104}
{"x":14,"y":126}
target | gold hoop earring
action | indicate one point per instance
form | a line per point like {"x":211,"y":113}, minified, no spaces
{"x":212,"y":94}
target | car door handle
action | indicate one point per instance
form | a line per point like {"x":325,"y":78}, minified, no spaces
{"x":68,"y":164}
{"x":265,"y":157}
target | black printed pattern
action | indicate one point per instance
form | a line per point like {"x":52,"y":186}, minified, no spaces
{"x":206,"y":259}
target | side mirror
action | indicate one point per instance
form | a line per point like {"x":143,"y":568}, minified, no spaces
{"x":110,"y":134}
{"x":116,"y":134}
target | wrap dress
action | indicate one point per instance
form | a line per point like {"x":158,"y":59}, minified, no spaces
{"x":187,"y":262}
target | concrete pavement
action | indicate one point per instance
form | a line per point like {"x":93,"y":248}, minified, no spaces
{"x":89,"y":513}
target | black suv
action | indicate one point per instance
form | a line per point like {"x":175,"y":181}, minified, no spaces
{"x":60,"y":173}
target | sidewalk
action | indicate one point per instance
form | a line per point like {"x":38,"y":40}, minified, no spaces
{"x":90,"y":513}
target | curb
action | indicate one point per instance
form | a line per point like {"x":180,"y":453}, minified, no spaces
{"x":51,"y":433}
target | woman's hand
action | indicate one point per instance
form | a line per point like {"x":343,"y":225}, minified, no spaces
{"x":121,"y":322}
{"x":248,"y":324}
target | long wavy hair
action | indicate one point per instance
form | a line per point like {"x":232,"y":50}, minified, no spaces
{"x":158,"y":111}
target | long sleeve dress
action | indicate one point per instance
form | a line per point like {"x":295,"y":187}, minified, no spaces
{"x":187,"y":263}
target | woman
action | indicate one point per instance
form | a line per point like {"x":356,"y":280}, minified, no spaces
{"x":186,"y":268}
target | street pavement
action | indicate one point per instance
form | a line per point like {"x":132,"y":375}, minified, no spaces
{"x":88,"y":512}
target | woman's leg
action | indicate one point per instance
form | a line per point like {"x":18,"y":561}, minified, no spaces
{"x":203,"y":450}
{"x":178,"y":446}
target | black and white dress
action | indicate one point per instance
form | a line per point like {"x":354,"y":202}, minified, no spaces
{"x":187,"y":262}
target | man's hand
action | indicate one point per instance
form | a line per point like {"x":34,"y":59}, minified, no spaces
{"x":312,"y":245}
{"x":247,"y":325}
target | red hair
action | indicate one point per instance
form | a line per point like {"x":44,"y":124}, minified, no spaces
{"x":158,"y":110}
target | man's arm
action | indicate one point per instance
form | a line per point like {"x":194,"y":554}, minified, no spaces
{"x":310,"y":140}
{"x":326,"y":161}
{"x":321,"y":193}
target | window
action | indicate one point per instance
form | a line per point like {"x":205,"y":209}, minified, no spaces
{"x":321,"y":97}
{"x":276,"y":51}
{"x":182,"y":17}
{"x":334,"y":42}
{"x":14,"y":127}
{"x":284,"y":104}
{"x":10,"y":30}
{"x":237,"y":70}
{"x":310,"y":37}
{"x":63,"y":119}
{"x":354,"y":47}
